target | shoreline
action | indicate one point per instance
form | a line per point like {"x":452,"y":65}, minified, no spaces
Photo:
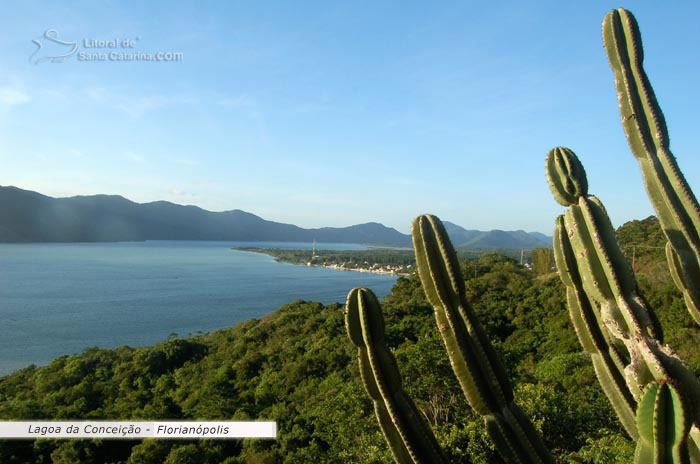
{"x":374,"y":269}
{"x":340,"y":268}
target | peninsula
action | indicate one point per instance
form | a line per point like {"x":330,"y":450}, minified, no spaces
{"x":398,"y":262}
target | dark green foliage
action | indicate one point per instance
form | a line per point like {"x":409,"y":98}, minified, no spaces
{"x":296,"y":366}
{"x":542,"y":260}
{"x":645,"y":245}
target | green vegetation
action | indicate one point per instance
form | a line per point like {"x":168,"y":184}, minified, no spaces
{"x":542,"y":260}
{"x":513,"y":354}
{"x":297,"y":366}
{"x":398,"y":261}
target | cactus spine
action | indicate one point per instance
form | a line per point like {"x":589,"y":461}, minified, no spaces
{"x":408,"y":435}
{"x":474,"y":361}
{"x":612,"y":320}
{"x":645,"y":128}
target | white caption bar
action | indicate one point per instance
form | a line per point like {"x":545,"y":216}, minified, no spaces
{"x":131,"y":430}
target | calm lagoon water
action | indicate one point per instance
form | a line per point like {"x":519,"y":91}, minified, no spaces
{"x":59,"y":299}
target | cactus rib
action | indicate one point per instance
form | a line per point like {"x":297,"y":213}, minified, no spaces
{"x":408,"y":434}
{"x":474,"y":361}
{"x":662,"y":420}
{"x":643,"y":121}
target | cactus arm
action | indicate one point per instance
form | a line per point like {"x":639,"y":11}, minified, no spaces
{"x":474,"y":361}
{"x":650,"y":360}
{"x":608,"y":283}
{"x":662,"y":420}
{"x":466,"y":342}
{"x":592,"y":332}
{"x":566,"y":176}
{"x":607,"y":362}
{"x":406,"y":431}
{"x":679,"y":273}
{"x":675,"y":204}
{"x":616,"y":271}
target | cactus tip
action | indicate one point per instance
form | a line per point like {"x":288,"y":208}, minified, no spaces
{"x":566,"y":176}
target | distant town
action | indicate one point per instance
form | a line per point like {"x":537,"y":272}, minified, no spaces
{"x":398,"y":262}
{"x":365,"y":267}
{"x":393,"y":261}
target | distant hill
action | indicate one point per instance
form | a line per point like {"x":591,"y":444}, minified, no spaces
{"x":464,"y":238}
{"x":27,"y":216}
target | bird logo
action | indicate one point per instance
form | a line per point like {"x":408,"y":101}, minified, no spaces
{"x":59,"y":50}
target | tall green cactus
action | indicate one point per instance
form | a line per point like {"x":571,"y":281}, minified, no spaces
{"x":613,"y":321}
{"x":408,"y":434}
{"x":655,"y":395}
{"x":645,"y":128}
{"x":474,"y":361}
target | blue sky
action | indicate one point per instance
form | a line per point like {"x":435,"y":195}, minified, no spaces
{"x":337,"y":113}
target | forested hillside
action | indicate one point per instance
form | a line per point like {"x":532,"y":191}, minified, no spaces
{"x":27,"y":216}
{"x":297,"y":366}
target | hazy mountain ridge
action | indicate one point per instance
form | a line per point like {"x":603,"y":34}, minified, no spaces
{"x":27,"y":216}
{"x":464,"y":238}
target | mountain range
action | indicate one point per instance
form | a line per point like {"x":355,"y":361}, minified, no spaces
{"x":27,"y":216}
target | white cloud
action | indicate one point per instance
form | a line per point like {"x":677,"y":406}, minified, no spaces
{"x":10,"y":96}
